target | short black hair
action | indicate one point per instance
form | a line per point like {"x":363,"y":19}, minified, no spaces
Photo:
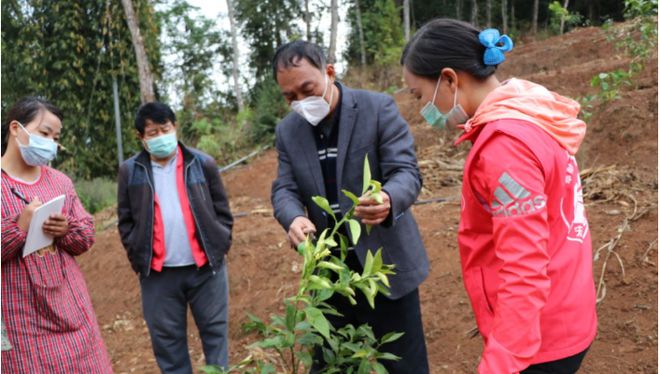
{"x":156,"y":112}
{"x":289,"y":54}
{"x":24,"y":111}
{"x":446,"y":43}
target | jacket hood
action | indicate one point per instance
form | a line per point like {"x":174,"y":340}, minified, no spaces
{"x":523,"y":100}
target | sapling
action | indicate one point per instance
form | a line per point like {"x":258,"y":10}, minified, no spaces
{"x":289,"y":341}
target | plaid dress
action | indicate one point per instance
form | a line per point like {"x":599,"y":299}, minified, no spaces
{"x":46,"y":308}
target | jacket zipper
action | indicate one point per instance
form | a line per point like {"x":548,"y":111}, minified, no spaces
{"x":185,"y":180}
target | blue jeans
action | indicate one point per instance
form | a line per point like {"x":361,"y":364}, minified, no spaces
{"x":165,"y":299}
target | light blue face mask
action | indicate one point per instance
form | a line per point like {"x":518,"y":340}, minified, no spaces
{"x":162,"y":146}
{"x":436,"y":118}
{"x":39,"y":151}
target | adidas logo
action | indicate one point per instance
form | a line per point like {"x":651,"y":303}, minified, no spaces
{"x":512,"y":199}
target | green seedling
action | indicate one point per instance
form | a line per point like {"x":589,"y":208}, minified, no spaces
{"x":288,"y":342}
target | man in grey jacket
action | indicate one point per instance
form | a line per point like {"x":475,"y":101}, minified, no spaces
{"x":321,"y":146}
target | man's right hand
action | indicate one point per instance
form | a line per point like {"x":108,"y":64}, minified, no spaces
{"x":299,"y":229}
{"x":24,"y":219}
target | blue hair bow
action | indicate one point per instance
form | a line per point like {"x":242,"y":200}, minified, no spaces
{"x":496,"y":46}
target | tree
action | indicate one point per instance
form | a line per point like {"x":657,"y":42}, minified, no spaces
{"x":358,"y":16}
{"x":459,"y":8}
{"x":334,"y":20}
{"x":74,"y":52}
{"x":563,"y":18}
{"x":535,"y":17}
{"x":383,"y":36}
{"x":308,"y":22}
{"x":233,"y":29}
{"x":474,"y":18}
{"x":406,"y":20}
{"x":144,"y":70}
{"x":194,"y":44}
{"x":505,"y":26}
{"x":266,"y":25}
{"x":489,"y":13}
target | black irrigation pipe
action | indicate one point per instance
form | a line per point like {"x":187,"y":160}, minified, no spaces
{"x":242,"y":160}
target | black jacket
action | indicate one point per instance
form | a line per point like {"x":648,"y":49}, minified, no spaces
{"x":208,"y":201}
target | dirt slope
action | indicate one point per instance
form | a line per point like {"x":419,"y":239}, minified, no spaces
{"x":263,"y":269}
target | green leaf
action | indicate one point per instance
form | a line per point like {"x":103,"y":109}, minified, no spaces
{"x":318,"y":321}
{"x":379,"y":368}
{"x":362,"y":353}
{"x":383,"y":279}
{"x":319,"y":283}
{"x":365,"y":367}
{"x":368,"y":264}
{"x":212,"y":369}
{"x":310,"y":339}
{"x":356,"y":230}
{"x":378,"y":261}
{"x":290,"y":317}
{"x":351,"y":196}
{"x":366,"y":178}
{"x":330,"y":265}
{"x":323,"y":203}
{"x":273,"y":342}
{"x":388,"y":356}
{"x":325,"y":294}
{"x":268,"y":369}
{"x":330,"y":242}
{"x":390,"y":337}
{"x":255,"y":324}
{"x":328,"y":355}
{"x":343,"y":242}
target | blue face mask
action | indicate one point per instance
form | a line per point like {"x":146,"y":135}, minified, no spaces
{"x":39,"y":151}
{"x":162,"y":146}
{"x":436,"y":118}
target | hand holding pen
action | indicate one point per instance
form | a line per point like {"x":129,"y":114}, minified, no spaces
{"x":27,"y":213}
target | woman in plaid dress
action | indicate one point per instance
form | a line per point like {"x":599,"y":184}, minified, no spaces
{"x":46,"y":308}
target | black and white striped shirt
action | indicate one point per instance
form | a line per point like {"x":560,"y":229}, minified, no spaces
{"x":327,"y":135}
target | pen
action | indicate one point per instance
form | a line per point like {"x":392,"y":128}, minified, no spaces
{"x":19,"y":195}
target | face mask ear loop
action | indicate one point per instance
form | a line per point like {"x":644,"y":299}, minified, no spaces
{"x":332,"y":94}
{"x":456,"y":95}
{"x":27,"y":132}
{"x":435,"y":93}
{"x":325,"y":91}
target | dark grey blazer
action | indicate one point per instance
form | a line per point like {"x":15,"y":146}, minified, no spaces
{"x":369,"y":123}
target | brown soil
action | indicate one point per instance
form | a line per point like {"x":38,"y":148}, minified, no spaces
{"x":263,"y":269}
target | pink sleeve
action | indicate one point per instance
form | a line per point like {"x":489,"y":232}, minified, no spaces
{"x":510,"y":179}
{"x":13,"y":238}
{"x":81,"y":227}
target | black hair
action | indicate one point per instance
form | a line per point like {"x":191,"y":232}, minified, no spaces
{"x":446,"y":43}
{"x":291,"y":53}
{"x":156,"y":112}
{"x":24,"y":111}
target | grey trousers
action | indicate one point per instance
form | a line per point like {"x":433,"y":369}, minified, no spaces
{"x":165,"y":299}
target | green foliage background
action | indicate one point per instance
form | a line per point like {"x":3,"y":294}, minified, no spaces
{"x":68,"y":52}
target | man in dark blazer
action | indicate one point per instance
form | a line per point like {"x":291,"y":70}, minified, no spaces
{"x":322,"y":145}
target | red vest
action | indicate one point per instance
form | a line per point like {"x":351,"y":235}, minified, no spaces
{"x":158,"y":257}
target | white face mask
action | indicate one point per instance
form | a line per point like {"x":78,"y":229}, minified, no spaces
{"x":314,"y":108}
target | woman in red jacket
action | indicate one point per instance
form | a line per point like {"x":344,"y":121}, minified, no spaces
{"x":524,"y":238}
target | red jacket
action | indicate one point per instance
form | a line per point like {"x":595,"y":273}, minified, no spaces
{"x":524,"y":238}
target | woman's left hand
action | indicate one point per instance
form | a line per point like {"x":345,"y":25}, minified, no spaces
{"x":56,"y":225}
